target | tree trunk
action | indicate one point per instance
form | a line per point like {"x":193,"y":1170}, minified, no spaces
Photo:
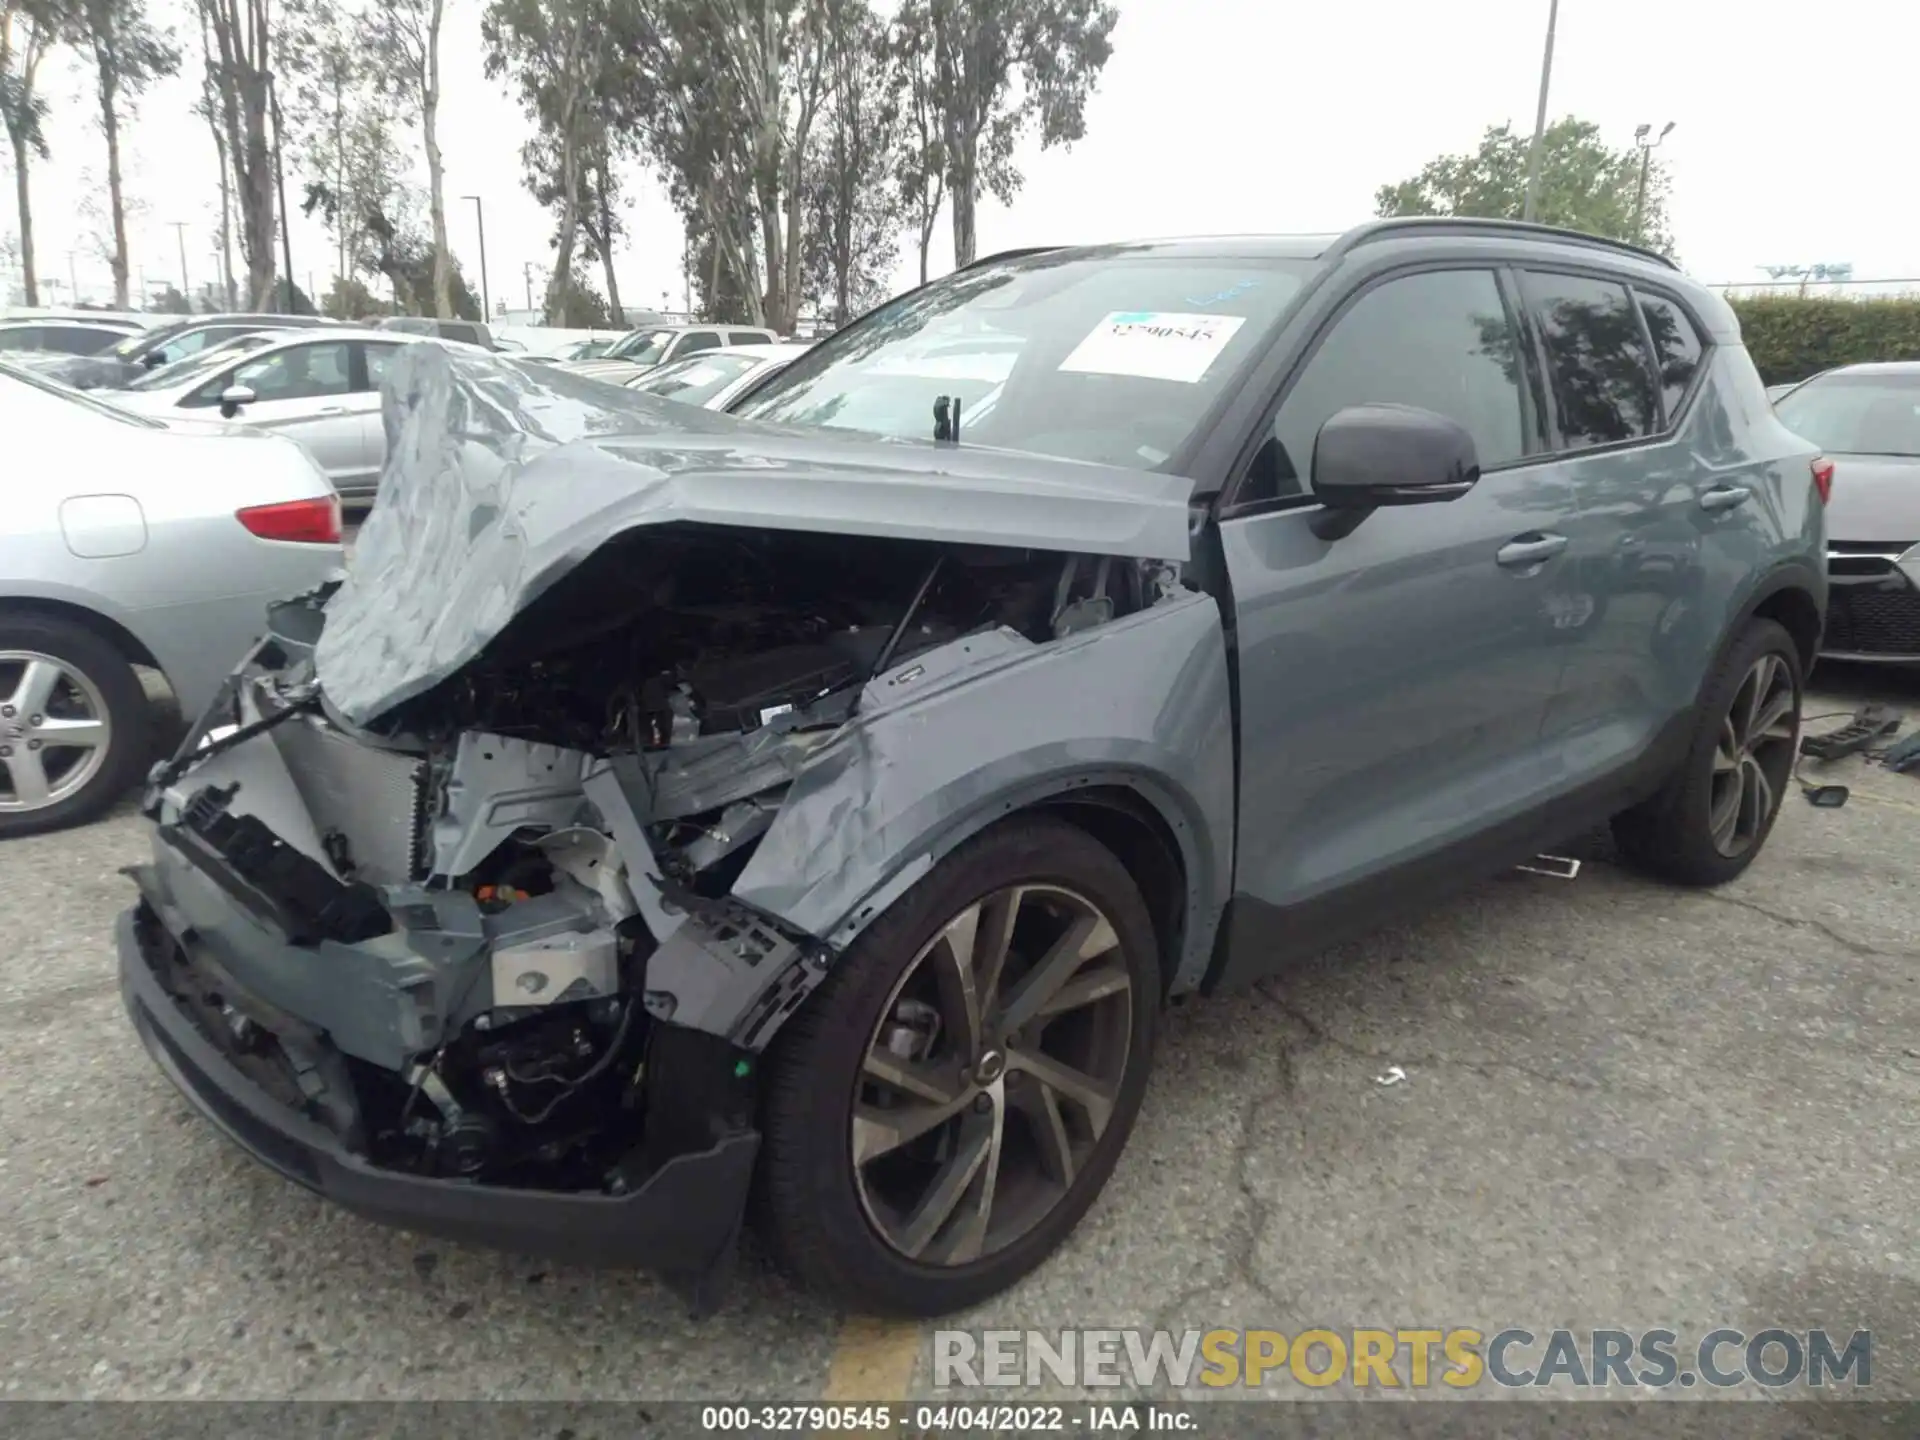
{"x":436,"y":180}
{"x":963,"y":235}
{"x":604,"y":242}
{"x":560,"y":287}
{"x":227,"y":297}
{"x":110,"y":128}
{"x":29,"y":281}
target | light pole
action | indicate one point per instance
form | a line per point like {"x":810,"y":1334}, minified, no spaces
{"x":180,"y":234}
{"x":1530,"y":204}
{"x":480,"y":219}
{"x":1647,"y":147}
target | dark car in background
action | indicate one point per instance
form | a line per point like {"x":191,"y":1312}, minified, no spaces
{"x":63,"y":335}
{"x":1867,"y":419}
{"x":150,"y":349}
{"x":827,"y":803}
{"x":465,"y":332}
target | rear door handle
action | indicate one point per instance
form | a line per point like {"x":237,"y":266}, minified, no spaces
{"x":1530,"y":549}
{"x":1724,"y":497}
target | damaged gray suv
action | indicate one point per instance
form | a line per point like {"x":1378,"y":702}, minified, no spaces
{"x":672,"y":809}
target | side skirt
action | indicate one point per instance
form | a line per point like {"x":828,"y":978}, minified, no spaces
{"x":1257,"y":939}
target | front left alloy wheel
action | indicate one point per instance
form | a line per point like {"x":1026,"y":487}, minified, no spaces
{"x":950,"y":1101}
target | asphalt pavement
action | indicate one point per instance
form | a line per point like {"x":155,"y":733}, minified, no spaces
{"x":1622,"y":1105}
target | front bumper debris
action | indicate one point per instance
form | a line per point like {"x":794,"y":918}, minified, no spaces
{"x":683,"y":1221}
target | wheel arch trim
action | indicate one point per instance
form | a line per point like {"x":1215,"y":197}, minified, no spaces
{"x":1134,"y":792}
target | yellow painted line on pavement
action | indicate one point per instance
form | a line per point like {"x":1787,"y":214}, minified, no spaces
{"x":872,"y":1361}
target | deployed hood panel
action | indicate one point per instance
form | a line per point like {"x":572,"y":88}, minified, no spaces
{"x":500,"y":479}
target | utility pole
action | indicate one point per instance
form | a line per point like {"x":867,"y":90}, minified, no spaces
{"x":1647,"y":147}
{"x":73,"y":275}
{"x":480,"y":218}
{"x":180,"y":234}
{"x":1530,"y":205}
{"x":526,"y":273}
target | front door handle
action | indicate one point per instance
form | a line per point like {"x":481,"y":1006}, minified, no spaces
{"x":1724,"y":497}
{"x":1529,"y":549}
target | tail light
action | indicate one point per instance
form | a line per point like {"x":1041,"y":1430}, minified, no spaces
{"x":1823,"y":477}
{"x":307,"y":522}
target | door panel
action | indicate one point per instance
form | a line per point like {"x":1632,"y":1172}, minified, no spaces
{"x":1639,"y":634}
{"x":1393,"y":683}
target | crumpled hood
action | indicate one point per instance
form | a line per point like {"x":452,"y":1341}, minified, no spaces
{"x":500,"y":479}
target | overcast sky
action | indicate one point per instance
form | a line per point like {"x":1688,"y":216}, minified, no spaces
{"x":1214,"y":116}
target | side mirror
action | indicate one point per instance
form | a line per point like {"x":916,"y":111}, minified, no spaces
{"x":1367,"y":456}
{"x":154,"y":359}
{"x":233,"y":397}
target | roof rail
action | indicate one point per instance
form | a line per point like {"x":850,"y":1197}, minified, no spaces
{"x":1398,"y":226}
{"x":1021,"y":253}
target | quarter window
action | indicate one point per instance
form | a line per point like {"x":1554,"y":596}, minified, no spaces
{"x":1440,"y":340}
{"x":1597,"y":362}
{"x":1676,"y":349}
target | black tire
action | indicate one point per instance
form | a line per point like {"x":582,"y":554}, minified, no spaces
{"x":1669,"y":836}
{"x":809,"y":1206}
{"x":124,"y":700}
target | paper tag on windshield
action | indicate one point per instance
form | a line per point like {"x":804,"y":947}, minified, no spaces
{"x":1153,"y":344}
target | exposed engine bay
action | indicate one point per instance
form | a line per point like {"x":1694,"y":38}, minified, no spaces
{"x":532,"y":971}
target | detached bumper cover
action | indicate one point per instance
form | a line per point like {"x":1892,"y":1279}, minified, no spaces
{"x":683,"y":1221}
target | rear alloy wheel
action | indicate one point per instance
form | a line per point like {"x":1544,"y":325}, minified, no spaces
{"x":1754,"y":758}
{"x":1715,"y":812}
{"x":73,"y":725}
{"x":1003,"y":1017}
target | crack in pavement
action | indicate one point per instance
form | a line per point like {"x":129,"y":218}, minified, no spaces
{"x":1487,"y":1069}
{"x":1802,"y":922}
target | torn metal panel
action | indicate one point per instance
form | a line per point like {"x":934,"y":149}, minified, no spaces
{"x":937,"y":755}
{"x":501,"y":479}
{"x":497,"y":785}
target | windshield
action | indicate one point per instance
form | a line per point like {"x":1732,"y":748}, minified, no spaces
{"x":1857,"y":413}
{"x":643,"y":347}
{"x":130,"y":348}
{"x":192,"y":367}
{"x":1112,"y":355}
{"x":80,"y":398}
{"x":697,"y":379}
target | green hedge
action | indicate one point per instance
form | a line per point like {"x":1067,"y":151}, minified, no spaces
{"x":1791,"y":337}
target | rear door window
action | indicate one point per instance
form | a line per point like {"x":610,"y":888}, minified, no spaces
{"x":1597,"y":363}
{"x":378,"y":358}
{"x":75,"y":339}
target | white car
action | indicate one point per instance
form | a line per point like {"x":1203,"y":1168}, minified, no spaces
{"x":124,"y":541}
{"x":716,"y":378}
{"x":320,"y":387}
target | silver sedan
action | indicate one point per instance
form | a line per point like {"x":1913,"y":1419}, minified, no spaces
{"x":320,"y":387}
{"x":130,"y":541}
{"x":714,"y":379}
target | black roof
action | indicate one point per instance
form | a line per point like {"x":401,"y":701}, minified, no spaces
{"x":1331,"y":247}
